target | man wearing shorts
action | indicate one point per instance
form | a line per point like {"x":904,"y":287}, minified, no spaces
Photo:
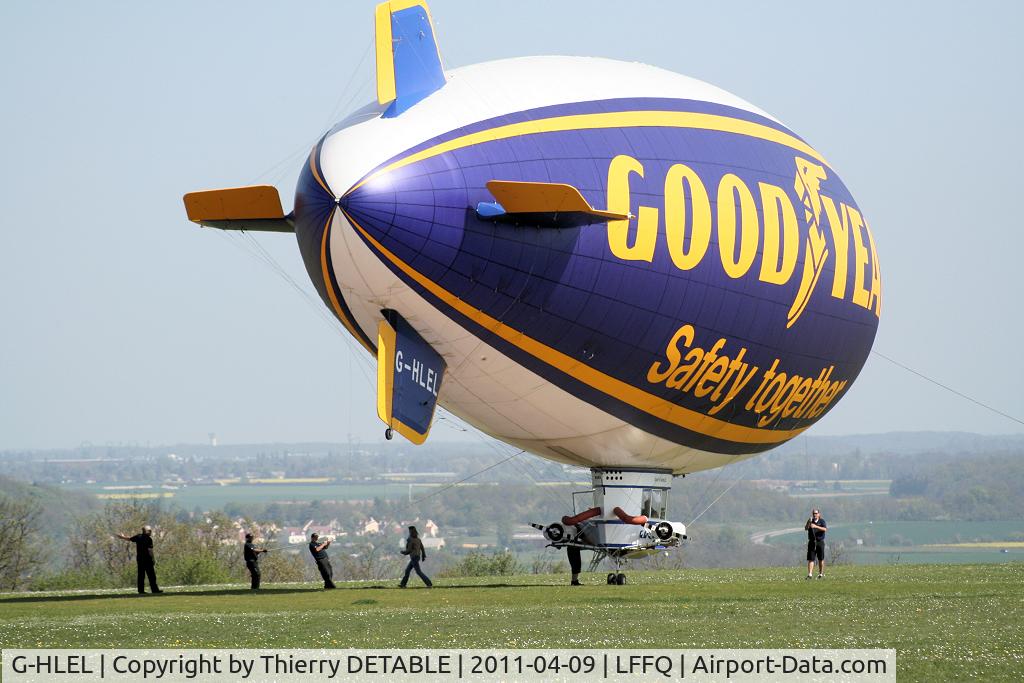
{"x":816,"y":529}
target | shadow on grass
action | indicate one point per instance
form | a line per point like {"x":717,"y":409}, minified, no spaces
{"x":28,"y":597}
{"x":447,"y":586}
{"x":213,"y":592}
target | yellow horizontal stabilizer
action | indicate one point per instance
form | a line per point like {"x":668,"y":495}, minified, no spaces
{"x":522,"y":197}
{"x":234,"y":203}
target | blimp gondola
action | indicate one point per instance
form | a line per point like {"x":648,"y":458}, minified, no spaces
{"x":606,"y":264}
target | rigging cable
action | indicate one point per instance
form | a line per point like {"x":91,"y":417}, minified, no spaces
{"x":496,"y":445}
{"x":947,"y":388}
{"x":460,"y":481}
{"x":330,"y":117}
{"x":738,"y":479}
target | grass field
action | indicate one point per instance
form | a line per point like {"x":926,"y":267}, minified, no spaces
{"x":946,"y":622}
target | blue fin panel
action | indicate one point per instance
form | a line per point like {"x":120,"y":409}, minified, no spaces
{"x":409,"y":374}
{"x":416,"y":60}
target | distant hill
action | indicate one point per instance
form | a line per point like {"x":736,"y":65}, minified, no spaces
{"x":895,"y":443}
{"x":60,"y":507}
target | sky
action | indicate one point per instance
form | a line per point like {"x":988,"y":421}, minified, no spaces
{"x":123,"y":323}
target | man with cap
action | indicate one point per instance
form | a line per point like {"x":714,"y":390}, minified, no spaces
{"x":319,"y":552}
{"x":144,"y":561}
{"x":816,"y":530}
{"x":252,"y":561}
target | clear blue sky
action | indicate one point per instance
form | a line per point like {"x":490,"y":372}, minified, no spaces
{"x":122,"y":322}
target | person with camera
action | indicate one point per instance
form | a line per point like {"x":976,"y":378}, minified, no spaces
{"x":816,"y":528}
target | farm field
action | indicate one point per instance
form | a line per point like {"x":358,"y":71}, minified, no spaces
{"x":922,"y":542}
{"x":946,"y":622}
{"x":839,"y":488}
{"x":213,"y":497}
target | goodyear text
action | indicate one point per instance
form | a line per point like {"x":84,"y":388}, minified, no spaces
{"x":756,"y":229}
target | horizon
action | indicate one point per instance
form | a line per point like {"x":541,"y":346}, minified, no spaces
{"x":439,"y":443}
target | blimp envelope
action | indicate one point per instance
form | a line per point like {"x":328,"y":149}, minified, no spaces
{"x":620,"y":266}
{"x":409,"y":374}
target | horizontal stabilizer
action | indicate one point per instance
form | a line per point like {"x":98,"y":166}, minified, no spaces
{"x":409,"y":374}
{"x":257,"y":207}
{"x":552,"y":204}
{"x":408,"y":61}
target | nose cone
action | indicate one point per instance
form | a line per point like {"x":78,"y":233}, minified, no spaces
{"x":314,"y":207}
{"x":418,"y":218}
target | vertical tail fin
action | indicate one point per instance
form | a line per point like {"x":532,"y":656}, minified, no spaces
{"x":408,"y":61}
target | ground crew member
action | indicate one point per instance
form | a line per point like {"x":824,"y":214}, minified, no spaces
{"x":144,"y":559}
{"x":816,"y":529}
{"x":575,"y":564}
{"x":252,"y":561}
{"x":414,"y":549}
{"x":323,"y":563}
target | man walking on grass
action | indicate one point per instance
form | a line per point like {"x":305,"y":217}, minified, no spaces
{"x":414,"y":549}
{"x":816,"y":529}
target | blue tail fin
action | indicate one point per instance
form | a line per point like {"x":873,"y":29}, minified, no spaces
{"x":408,"y":61}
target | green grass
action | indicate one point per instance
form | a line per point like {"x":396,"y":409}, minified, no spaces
{"x":946,"y":622}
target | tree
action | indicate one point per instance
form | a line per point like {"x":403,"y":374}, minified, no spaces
{"x":281,"y":566}
{"x":20,"y":552}
{"x":96,"y":544}
{"x":504,"y":533}
{"x":369,"y":562}
{"x":837,"y":554}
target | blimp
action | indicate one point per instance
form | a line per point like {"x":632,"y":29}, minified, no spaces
{"x":606,"y":264}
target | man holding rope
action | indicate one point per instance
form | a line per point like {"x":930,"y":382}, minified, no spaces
{"x":251,"y":554}
{"x":816,"y":529}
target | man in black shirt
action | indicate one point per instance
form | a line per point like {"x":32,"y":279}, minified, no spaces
{"x":252,"y":561}
{"x":816,"y":529}
{"x":319,"y":552}
{"x":144,"y":560}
